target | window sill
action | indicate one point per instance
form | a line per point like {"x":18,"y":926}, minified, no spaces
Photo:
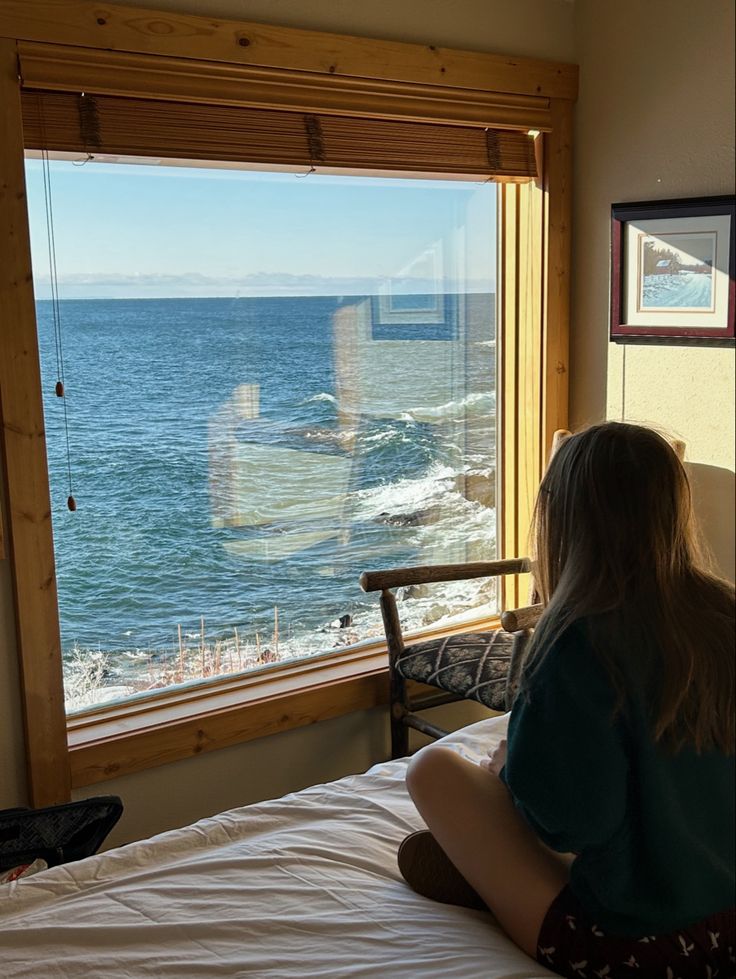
{"x":166,"y":727}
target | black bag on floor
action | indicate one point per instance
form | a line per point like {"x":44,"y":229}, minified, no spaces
{"x":56,"y":834}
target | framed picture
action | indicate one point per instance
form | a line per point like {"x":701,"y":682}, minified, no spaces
{"x":673,"y":271}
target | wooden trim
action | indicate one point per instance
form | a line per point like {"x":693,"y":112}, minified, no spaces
{"x":558,"y":205}
{"x":71,"y":69}
{"x":507,"y":345}
{"x":530,"y":237}
{"x":102,"y":26}
{"x":535,"y":229}
{"x":523,"y":235}
{"x":25,"y":469}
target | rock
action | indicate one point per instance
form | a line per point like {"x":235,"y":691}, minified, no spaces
{"x":412,"y":591}
{"x":415,"y":519}
{"x":435,"y":613}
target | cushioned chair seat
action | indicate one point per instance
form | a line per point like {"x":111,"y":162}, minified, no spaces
{"x":473,"y":665}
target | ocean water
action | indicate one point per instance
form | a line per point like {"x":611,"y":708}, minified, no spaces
{"x":230,"y":457}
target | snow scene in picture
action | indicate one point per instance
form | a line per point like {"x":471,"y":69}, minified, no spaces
{"x":677,"y":271}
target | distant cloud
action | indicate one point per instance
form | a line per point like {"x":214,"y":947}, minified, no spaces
{"x":157,"y":285}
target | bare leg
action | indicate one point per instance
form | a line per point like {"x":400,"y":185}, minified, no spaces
{"x":472,"y":817}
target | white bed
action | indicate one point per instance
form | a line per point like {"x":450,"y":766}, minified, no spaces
{"x":301,"y":886}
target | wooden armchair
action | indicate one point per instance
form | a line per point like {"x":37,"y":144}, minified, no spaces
{"x":482,"y":666}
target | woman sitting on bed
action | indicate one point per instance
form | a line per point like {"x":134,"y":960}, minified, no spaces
{"x":602,"y":836}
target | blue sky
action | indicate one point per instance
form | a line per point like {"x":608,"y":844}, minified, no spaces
{"x":126,"y":231}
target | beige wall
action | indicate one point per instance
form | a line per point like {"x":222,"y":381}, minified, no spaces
{"x":173,"y":795}
{"x":655,"y":120}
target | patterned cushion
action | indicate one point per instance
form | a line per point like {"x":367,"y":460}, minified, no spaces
{"x":474,"y":665}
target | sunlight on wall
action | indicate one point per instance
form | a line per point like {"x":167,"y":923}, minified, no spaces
{"x":661,"y":141}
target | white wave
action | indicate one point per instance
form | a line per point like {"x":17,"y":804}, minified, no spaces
{"x":473,"y":468}
{"x":322,"y":396}
{"x":460,"y":526}
{"x":405,"y":495}
{"x":481,"y":462}
{"x":478,"y":402}
{"x":465,"y":522}
{"x":384,"y":437}
{"x":335,"y":435}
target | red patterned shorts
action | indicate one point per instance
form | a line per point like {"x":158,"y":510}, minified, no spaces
{"x":572,"y":945}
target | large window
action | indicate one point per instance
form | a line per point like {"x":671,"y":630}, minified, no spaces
{"x":271,"y":383}
{"x":176,"y":88}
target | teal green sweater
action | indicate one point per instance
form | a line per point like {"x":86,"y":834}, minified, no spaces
{"x":654,"y":832}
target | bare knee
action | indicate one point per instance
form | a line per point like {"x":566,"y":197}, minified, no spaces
{"x":428,"y":771}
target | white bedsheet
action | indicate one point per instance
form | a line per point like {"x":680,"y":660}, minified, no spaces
{"x":301,"y":886}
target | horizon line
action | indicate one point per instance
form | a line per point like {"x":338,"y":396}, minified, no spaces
{"x":313,"y":295}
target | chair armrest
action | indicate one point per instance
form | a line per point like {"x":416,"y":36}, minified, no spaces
{"x":514,"y":620}
{"x":423,"y":575}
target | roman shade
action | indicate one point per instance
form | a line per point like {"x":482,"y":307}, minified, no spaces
{"x":123,"y":125}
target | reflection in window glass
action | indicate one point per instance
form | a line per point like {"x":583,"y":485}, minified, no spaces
{"x":273,"y":383}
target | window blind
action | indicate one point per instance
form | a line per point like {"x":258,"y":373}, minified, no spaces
{"x":117,"y":125}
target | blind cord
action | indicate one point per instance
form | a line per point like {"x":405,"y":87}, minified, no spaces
{"x":60,"y":387}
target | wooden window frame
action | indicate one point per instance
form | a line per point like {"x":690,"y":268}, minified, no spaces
{"x":113,"y":50}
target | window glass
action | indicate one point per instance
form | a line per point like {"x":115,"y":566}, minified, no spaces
{"x":272,"y":382}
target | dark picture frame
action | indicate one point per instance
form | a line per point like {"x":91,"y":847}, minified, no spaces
{"x":673,"y":271}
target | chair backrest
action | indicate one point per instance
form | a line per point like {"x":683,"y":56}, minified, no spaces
{"x":558,"y":438}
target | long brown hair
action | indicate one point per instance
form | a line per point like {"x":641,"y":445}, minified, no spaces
{"x":615,"y":546}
